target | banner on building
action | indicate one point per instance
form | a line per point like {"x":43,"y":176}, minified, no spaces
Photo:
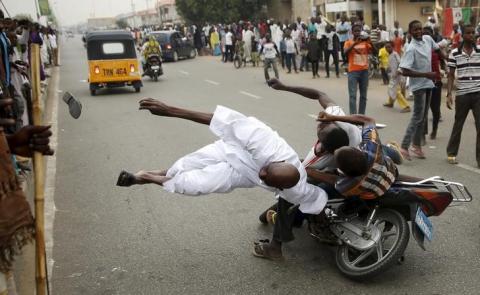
{"x":454,"y":16}
{"x":44,"y":7}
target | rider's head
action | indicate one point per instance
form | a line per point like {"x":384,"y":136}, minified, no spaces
{"x":351,"y":161}
{"x":331,"y":136}
{"x":280,"y":175}
{"x":151,"y":40}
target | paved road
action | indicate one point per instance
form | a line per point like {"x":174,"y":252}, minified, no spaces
{"x":141,"y":240}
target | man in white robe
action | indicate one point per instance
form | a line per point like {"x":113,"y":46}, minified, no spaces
{"x":248,"y":154}
{"x":247,"y":39}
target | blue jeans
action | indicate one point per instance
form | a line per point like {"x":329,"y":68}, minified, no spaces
{"x":359,"y":78}
{"x":415,"y":129}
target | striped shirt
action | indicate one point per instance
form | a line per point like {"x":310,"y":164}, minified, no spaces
{"x":381,"y":173}
{"x":468,"y":69}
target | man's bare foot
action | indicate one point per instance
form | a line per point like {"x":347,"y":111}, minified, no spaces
{"x":145,"y":177}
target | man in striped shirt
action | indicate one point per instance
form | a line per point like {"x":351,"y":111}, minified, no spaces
{"x":465,"y":60}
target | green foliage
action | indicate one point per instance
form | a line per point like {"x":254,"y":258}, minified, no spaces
{"x":219,"y":11}
{"x":121,"y":23}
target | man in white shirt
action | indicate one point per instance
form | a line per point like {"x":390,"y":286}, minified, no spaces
{"x":228,"y":46}
{"x":247,"y":154}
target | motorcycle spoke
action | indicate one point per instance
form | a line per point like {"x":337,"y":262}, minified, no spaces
{"x":362,"y":256}
{"x":380,"y":250}
{"x":388,"y":235}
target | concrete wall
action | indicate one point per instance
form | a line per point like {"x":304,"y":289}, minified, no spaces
{"x":280,"y":10}
{"x":406,"y":11}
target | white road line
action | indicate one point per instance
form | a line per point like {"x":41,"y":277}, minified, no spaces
{"x":313,"y":116}
{"x":185,"y":73}
{"x":212,"y":82}
{"x":250,"y":95}
{"x":469,"y":168}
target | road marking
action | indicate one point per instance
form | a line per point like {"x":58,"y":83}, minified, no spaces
{"x":185,"y":73}
{"x":313,"y":116}
{"x":250,"y":95}
{"x":469,"y":168}
{"x":212,"y":82}
{"x":83,"y":81}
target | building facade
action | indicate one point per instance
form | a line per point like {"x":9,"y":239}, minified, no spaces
{"x":390,"y":10}
{"x":167,"y":12}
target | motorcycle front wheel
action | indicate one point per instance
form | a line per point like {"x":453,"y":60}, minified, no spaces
{"x":360,"y":265}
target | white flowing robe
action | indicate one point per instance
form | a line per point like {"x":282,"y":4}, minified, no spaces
{"x":247,"y":38}
{"x":245,"y":146}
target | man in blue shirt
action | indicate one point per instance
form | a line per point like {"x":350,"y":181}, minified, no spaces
{"x":343,"y":30}
{"x":416,"y":63}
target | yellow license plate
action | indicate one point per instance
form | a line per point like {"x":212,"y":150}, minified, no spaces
{"x":118,"y":72}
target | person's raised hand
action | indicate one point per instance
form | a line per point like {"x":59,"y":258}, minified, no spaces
{"x":155,"y":107}
{"x":31,"y":139}
{"x":324,"y":117}
{"x":275,"y":84}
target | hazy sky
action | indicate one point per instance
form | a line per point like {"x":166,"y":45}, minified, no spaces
{"x":74,"y":11}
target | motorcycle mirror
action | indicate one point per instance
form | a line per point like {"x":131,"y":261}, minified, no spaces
{"x":74,"y":106}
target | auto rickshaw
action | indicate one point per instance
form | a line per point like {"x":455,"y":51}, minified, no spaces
{"x":112,"y":60}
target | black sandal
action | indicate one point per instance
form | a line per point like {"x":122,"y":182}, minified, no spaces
{"x":126,"y":179}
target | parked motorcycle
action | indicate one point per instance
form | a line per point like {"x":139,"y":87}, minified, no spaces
{"x":153,"y":67}
{"x":371,"y":235}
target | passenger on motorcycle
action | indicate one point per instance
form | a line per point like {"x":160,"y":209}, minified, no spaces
{"x":150,"y":47}
{"x":247,"y":154}
{"x":320,"y":157}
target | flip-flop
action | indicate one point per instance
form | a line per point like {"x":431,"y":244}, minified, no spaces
{"x":125,"y":179}
{"x":74,"y":106}
{"x":259,"y":251}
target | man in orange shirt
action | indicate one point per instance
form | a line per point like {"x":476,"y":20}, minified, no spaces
{"x":397,"y":43}
{"x":357,"y":51}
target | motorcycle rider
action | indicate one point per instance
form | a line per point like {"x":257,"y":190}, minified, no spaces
{"x":150,"y":47}
{"x":317,"y":159}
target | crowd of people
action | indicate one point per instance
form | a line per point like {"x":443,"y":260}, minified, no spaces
{"x":354,"y":48}
{"x":19,"y":138}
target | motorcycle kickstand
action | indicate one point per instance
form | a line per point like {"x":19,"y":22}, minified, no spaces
{"x":401,"y":260}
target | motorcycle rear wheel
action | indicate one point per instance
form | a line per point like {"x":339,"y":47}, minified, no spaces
{"x":361,"y":265}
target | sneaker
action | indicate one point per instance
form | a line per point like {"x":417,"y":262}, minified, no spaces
{"x":452,"y":160}
{"x":417,"y":152}
{"x":405,"y":154}
{"x":398,"y":157}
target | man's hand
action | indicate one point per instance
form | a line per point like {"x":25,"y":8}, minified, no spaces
{"x":276,"y":84}
{"x":432,"y":76}
{"x":6,"y":108}
{"x":324,"y":117}
{"x":449,"y":101}
{"x":31,"y":139}
{"x":155,"y":107}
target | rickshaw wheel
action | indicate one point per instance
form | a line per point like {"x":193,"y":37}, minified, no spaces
{"x":93,"y":92}
{"x":137,"y":89}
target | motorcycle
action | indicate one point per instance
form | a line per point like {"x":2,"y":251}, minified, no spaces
{"x":153,"y":67}
{"x":371,"y":235}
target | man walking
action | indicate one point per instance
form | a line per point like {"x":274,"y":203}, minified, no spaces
{"x":417,"y":64}
{"x":464,"y":60}
{"x":270,"y":51}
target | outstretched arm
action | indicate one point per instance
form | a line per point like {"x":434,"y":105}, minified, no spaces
{"x":352,"y":119}
{"x":159,"y":108}
{"x":311,"y":93}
